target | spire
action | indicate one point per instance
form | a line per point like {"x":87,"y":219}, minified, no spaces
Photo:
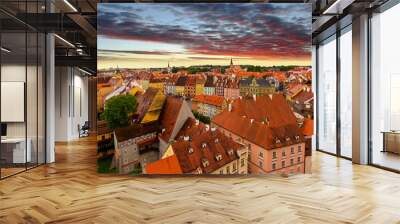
{"x":231,"y":62}
{"x":169,"y":68}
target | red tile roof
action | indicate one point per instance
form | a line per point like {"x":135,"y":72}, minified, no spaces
{"x":209,"y":99}
{"x":169,"y":115}
{"x":304,"y":96}
{"x":168,"y":165}
{"x":308,"y":127}
{"x":295,"y":89}
{"x":205,"y":148}
{"x":262,"y":121}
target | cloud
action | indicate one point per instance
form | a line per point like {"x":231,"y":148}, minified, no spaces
{"x":103,"y":51}
{"x":245,"y":30}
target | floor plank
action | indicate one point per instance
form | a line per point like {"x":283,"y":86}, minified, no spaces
{"x":70,"y":191}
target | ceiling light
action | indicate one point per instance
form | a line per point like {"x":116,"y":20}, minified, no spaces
{"x":5,"y":50}
{"x":70,"y":5}
{"x":86,"y":72}
{"x":337,"y":7}
{"x":64,"y":40}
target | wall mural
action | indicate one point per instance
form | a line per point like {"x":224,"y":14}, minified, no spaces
{"x":204,"y":88}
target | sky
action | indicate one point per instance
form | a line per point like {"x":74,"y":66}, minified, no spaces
{"x":149,"y":35}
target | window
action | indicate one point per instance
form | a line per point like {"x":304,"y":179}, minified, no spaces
{"x":273,"y":166}
{"x":292,"y":150}
{"x":385,"y":88}
{"x":22,"y":77}
{"x":291,"y":162}
{"x":346,"y":93}
{"x":234,"y":166}
{"x":205,"y":163}
{"x":326,"y":101}
{"x":221,"y":171}
{"x":242,"y":162}
{"x":283,"y":163}
{"x":228,"y":169}
{"x":299,"y":148}
{"x":260,"y":163}
{"x":299,"y":159}
{"x":260,"y":154}
{"x":274,"y":155}
{"x":283,"y":152}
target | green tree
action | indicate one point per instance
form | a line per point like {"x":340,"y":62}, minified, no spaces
{"x":202,"y":118}
{"x":118,"y":110}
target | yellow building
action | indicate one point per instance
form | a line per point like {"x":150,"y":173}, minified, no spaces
{"x":101,"y":94}
{"x":157,"y":84}
{"x":135,"y":90}
{"x":154,"y":111}
{"x":180,"y":90}
{"x":199,"y":88}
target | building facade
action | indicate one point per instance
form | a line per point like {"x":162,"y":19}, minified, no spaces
{"x":199,"y":149}
{"x":275,"y":142}
{"x":207,"y":105}
{"x":256,"y":86}
{"x":135,"y":146}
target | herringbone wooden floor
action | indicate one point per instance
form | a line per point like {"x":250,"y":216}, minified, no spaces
{"x":70,"y":191}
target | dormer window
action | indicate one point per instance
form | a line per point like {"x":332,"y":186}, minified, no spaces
{"x":287,"y":139}
{"x":203,"y":145}
{"x":230,"y":152}
{"x":277,"y":141}
{"x":190,"y":150}
{"x":297,"y":137}
{"x":216,"y":140}
{"x":205,"y":163}
{"x":218,"y":157}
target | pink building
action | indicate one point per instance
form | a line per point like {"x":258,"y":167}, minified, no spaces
{"x":231,"y":90}
{"x":268,"y":127}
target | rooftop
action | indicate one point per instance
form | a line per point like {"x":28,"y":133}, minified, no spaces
{"x":169,"y":116}
{"x":210,"y":99}
{"x":135,"y":130}
{"x":168,"y":165}
{"x":266,"y":121}
{"x":181,"y":81}
{"x":203,"y":144}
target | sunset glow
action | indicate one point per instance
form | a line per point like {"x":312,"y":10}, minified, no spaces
{"x":151,"y":35}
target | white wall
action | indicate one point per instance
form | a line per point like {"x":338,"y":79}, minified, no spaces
{"x":33,"y":127}
{"x":71,"y":103}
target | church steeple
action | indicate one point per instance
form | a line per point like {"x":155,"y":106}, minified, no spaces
{"x":231,"y":62}
{"x":169,"y":69}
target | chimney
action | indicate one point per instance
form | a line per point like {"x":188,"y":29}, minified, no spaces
{"x":270,"y":96}
{"x":230,"y":107}
{"x":254,"y":97}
